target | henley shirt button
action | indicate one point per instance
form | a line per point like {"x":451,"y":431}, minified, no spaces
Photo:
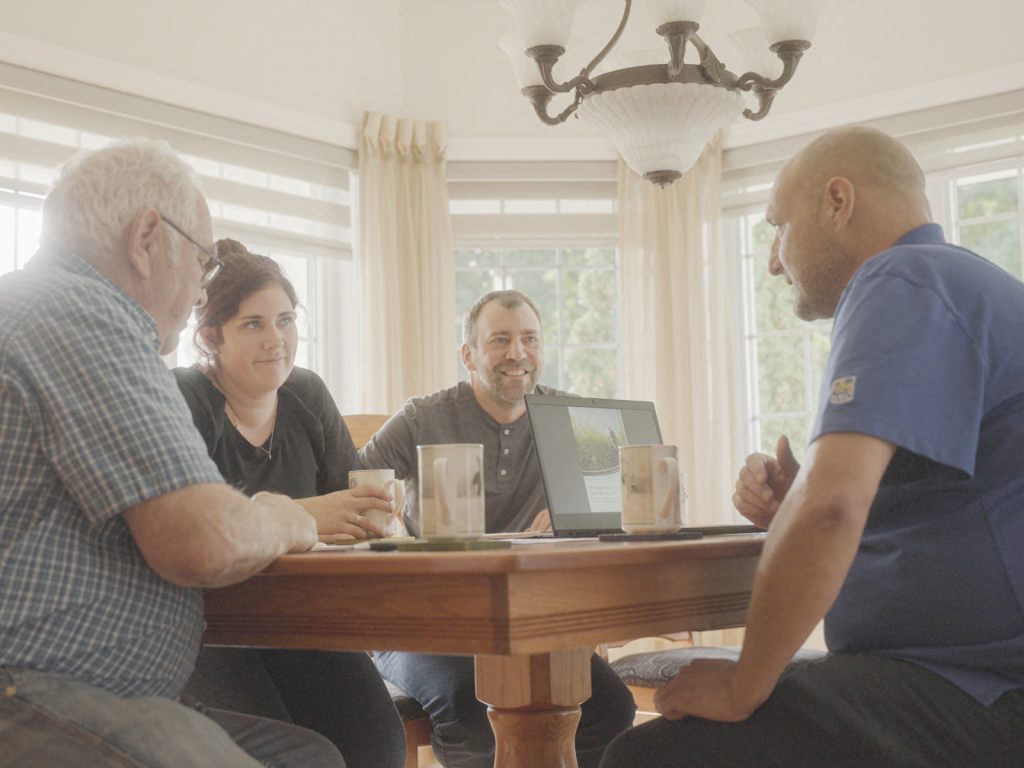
{"x":506,"y":431}
{"x":504,"y":472}
{"x":506,"y":451}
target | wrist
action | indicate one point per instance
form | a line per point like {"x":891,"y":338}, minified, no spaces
{"x":749,"y":691}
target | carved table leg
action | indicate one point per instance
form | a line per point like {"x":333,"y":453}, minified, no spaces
{"x":534,"y":705}
{"x":527,"y":738}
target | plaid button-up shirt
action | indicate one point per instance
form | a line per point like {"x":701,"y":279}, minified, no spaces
{"x":91,"y":423}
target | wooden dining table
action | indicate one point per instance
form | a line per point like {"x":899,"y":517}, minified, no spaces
{"x":531,"y":614}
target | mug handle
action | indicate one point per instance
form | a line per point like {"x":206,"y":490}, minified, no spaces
{"x":668,"y":464}
{"x":396,"y":490}
{"x":441,"y":468}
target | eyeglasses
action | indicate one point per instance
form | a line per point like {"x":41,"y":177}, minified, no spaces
{"x":212,"y":265}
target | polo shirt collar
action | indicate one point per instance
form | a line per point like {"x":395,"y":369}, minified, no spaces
{"x":926,"y":234}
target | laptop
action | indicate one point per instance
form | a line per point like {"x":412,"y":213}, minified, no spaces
{"x":577,"y":440}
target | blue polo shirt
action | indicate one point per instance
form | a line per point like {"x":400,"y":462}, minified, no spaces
{"x":928,"y":354}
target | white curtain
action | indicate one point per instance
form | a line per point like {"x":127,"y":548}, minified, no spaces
{"x":406,"y":260}
{"x":679,"y":337}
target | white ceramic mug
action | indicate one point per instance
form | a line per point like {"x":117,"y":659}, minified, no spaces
{"x":651,"y":493}
{"x":451,"y":490}
{"x":385,"y":478}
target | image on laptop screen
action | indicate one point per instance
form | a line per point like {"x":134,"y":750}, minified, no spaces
{"x":578,"y":441}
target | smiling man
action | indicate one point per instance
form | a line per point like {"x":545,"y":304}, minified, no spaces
{"x":504,"y":354}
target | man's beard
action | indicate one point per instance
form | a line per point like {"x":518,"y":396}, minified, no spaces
{"x":498,"y":393}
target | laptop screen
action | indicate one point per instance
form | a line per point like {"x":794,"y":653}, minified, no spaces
{"x":578,"y":441}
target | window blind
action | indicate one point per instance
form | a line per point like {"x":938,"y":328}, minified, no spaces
{"x":533,"y":204}
{"x":287,"y":191}
{"x":942,"y":138}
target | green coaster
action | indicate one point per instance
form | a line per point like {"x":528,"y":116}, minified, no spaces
{"x":451,"y":545}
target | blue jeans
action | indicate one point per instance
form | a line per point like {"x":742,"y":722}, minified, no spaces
{"x":461,"y":735}
{"x":49,"y":720}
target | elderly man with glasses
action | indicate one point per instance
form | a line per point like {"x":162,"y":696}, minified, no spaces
{"x":112,"y":515}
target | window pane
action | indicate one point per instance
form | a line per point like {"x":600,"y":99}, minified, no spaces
{"x":589,"y":257}
{"x":794,"y":427}
{"x":999,"y":242}
{"x":987,"y":198}
{"x":7,"y":257}
{"x":296,"y":269}
{"x":591,"y":372}
{"x":477,"y":258}
{"x":531,"y":258}
{"x":763,"y":237}
{"x":773,"y":300}
{"x":30,"y":229}
{"x":302,"y":354}
{"x":470,"y":286}
{"x":549,"y":377}
{"x":821,"y":343}
{"x":588,"y":305}
{"x":541,"y":287}
{"x":780,"y":374}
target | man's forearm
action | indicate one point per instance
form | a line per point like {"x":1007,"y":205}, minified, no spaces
{"x":813,"y":541}
{"x":210,"y":536}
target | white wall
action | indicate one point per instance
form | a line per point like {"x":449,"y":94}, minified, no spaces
{"x":307,"y":65}
{"x":312,"y":66}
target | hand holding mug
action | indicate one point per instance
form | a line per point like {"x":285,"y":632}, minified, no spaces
{"x":382,"y":523}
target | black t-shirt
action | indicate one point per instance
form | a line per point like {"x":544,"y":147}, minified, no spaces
{"x":312,"y":450}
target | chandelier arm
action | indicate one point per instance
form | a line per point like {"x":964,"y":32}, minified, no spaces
{"x":611,"y":43}
{"x":765,"y":98}
{"x":546,"y":57}
{"x":579,"y":83}
{"x":540,"y":97}
{"x":790,"y":52}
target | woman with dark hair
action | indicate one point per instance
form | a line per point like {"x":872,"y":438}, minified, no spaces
{"x":272,"y":427}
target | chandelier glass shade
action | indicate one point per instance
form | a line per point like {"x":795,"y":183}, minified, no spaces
{"x":659,"y":116}
{"x":644,"y":123}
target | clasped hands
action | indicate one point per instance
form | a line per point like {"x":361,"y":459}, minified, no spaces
{"x":711,"y":688}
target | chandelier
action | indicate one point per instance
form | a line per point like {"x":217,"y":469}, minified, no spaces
{"x":659,"y":116}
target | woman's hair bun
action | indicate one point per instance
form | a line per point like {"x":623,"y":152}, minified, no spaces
{"x":229,"y":247}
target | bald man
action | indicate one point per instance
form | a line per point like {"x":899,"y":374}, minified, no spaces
{"x":904,"y":529}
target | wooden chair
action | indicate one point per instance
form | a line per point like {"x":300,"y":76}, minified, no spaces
{"x":363,"y":426}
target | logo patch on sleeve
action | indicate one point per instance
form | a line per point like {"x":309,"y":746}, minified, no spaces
{"x":842,"y":390}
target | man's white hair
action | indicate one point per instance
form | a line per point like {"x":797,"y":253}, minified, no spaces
{"x":99,"y":193}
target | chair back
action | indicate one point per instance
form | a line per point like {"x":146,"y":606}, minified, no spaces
{"x":363,"y":426}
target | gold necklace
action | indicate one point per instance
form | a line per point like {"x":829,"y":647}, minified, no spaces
{"x":233,"y":417}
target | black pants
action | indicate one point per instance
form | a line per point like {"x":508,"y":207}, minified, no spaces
{"x":338,"y":694}
{"x":461,"y":735}
{"x":845,"y":711}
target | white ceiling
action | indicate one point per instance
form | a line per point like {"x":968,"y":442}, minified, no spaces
{"x":312,"y":66}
